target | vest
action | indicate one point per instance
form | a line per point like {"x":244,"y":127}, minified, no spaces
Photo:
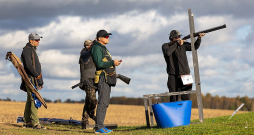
{"x":109,"y":73}
{"x":87,"y":67}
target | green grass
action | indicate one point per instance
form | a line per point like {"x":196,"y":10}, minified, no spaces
{"x":219,"y":125}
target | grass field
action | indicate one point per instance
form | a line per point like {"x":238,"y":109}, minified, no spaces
{"x":123,"y":115}
{"x":242,"y":123}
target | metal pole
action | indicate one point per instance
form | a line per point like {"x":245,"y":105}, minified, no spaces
{"x":196,"y":68}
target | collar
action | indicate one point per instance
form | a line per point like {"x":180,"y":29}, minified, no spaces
{"x":97,"y":43}
{"x":31,"y":46}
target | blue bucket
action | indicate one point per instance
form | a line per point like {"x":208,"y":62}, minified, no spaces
{"x":172,"y":114}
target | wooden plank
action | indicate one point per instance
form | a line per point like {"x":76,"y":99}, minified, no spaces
{"x":196,"y":67}
{"x":169,"y":94}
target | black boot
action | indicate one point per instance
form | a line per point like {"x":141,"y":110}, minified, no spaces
{"x":84,"y":123}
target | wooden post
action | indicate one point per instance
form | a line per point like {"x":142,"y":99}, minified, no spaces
{"x":146,"y":113}
{"x":196,"y":68}
{"x":151,"y":110}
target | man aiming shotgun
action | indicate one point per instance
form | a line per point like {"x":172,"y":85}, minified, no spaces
{"x":177,"y":63}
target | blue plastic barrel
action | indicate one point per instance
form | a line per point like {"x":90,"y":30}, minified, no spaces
{"x":172,"y":114}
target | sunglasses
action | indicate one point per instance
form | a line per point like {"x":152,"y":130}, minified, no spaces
{"x":37,"y":40}
{"x":106,"y":37}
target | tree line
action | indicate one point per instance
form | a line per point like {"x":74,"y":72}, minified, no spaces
{"x":209,"y":101}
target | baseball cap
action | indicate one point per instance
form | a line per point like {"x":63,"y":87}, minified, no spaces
{"x":34,"y":36}
{"x":102,"y":33}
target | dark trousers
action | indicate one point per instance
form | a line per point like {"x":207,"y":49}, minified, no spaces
{"x":104,"y":91}
{"x":175,"y":84}
{"x":90,"y":105}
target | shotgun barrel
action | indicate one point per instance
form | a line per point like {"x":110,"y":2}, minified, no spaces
{"x":205,"y":31}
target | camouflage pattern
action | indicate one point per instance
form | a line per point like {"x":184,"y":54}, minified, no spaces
{"x":89,"y":107}
{"x":174,"y":34}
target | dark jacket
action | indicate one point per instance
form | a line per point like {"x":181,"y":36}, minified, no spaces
{"x":26,"y":57}
{"x":175,"y":57}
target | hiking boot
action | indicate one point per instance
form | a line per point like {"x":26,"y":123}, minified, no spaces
{"x":102,"y":131}
{"x":27,"y":125}
{"x":39,"y":126}
{"x":84,"y":123}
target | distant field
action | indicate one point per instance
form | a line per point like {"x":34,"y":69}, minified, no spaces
{"x":123,"y":115}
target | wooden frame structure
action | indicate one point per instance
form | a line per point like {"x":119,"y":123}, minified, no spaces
{"x":197,"y":82}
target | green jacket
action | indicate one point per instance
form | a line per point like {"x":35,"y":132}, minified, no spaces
{"x":101,"y":62}
{"x":98,"y":55}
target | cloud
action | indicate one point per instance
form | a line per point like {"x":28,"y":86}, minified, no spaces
{"x":56,"y":64}
{"x":13,"y":92}
{"x":210,"y":72}
{"x":206,"y":61}
{"x":14,"y":39}
{"x":237,"y":65}
{"x":156,"y":60}
{"x":60,"y":85}
{"x":9,"y":79}
{"x":139,"y":29}
{"x":1,"y":65}
{"x":247,"y":87}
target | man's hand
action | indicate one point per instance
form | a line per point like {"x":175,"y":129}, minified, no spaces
{"x":180,"y":41}
{"x":117,"y":62}
{"x":201,"y":35}
{"x":40,"y":87}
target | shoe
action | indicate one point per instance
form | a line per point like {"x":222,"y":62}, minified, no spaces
{"x":27,"y":125}
{"x":108,"y":130}
{"x":39,"y":126}
{"x":102,"y":131}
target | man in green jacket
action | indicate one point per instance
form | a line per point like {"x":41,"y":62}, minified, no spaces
{"x":104,"y":77}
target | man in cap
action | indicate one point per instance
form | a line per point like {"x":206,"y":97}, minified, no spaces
{"x":177,"y":63}
{"x":105,"y":77}
{"x":87,"y":70}
{"x":32,"y":67}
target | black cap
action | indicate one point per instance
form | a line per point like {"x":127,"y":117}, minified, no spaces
{"x":102,"y":33}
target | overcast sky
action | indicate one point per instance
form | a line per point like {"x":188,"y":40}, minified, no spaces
{"x":139,"y":28}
